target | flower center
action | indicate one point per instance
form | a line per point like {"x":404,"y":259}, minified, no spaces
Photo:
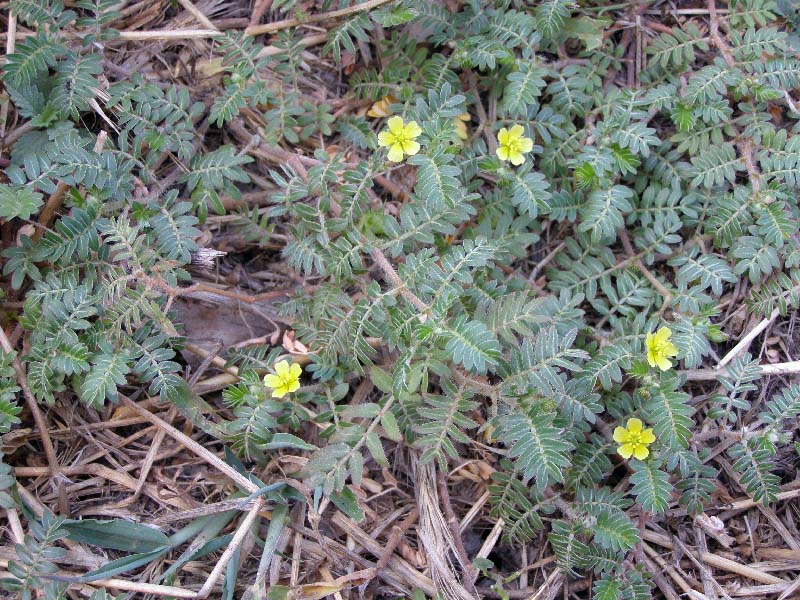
{"x":514,"y":146}
{"x":401,"y":138}
{"x":635,"y":439}
{"x":660,"y":347}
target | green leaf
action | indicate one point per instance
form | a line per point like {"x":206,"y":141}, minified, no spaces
{"x":540,"y":448}
{"x":394,"y":14}
{"x":375,"y":447}
{"x":651,"y":486}
{"x":117,"y":535}
{"x":279,"y":441}
{"x":443,"y":421}
{"x":122,"y":565}
{"x":602,"y":215}
{"x":471,"y":344}
{"x":19,"y":201}
{"x":529,"y":191}
{"x":586,"y":29}
{"x":551,"y":16}
{"x":390,"y":427}
{"x":347,"y":502}
{"x":710,"y":271}
{"x":614,"y":531}
{"x":753,"y":465}
{"x":108,"y":371}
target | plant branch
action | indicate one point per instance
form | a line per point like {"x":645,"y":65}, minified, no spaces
{"x":391,"y":275}
{"x":38,"y":417}
{"x":333,"y":14}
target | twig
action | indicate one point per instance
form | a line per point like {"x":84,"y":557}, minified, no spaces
{"x":56,"y":199}
{"x":705,"y":576}
{"x":49,"y":209}
{"x":716,"y":561}
{"x":474,"y":512}
{"x":545,"y":261}
{"x":745,"y":342}
{"x":750,"y":503}
{"x":197,"y":14}
{"x":488,"y":546}
{"x":145,"y":588}
{"x":482,"y":118}
{"x":167,"y":35}
{"x":785,"y":368}
{"x":550,"y":587}
{"x":11,"y":43}
{"x":626,"y":244}
{"x":745,"y":147}
{"x":190,"y":444}
{"x":259,"y":8}
{"x":390,"y":274}
{"x":661,"y":581}
{"x":197,"y":289}
{"x":309,"y":40}
{"x":715,"y":36}
{"x":238,"y":538}
{"x":452,"y":521}
{"x":400,"y":567}
{"x":147,"y":464}
{"x":395,"y":537}
{"x":333,"y":14}
{"x":38,"y":417}
{"x":668,"y":568}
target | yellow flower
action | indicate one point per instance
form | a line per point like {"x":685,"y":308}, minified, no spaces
{"x":400,"y":138}
{"x":634,"y":440}
{"x":513,"y":145}
{"x":659,"y":349}
{"x":286,"y":380}
{"x":461,"y":125}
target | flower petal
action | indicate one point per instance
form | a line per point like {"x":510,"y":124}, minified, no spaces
{"x":293,"y":386}
{"x":517,"y":158}
{"x":641,"y":452}
{"x":395,"y":153}
{"x":412,"y":130}
{"x":296,"y":370}
{"x":663,"y":334}
{"x":386,"y":138}
{"x":282,"y":368}
{"x":669,"y":349}
{"x":410,"y":147}
{"x":626,"y":450}
{"x":516,"y":132}
{"x":525,"y":144}
{"x":395,"y":125}
{"x":502,"y":137}
{"x":279,"y":392}
{"x":502,"y":152}
{"x":648,"y":437}
{"x":663,"y":363}
{"x":272,"y":381}
{"x":621,"y":435}
{"x":635,"y":425}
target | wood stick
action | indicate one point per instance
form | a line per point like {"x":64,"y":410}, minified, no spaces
{"x":716,"y":561}
{"x":197,"y":14}
{"x":189,"y":443}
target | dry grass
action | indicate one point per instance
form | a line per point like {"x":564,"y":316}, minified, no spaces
{"x":140,"y":461}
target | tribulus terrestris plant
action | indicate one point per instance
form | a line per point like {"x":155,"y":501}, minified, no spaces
{"x":517,"y":236}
